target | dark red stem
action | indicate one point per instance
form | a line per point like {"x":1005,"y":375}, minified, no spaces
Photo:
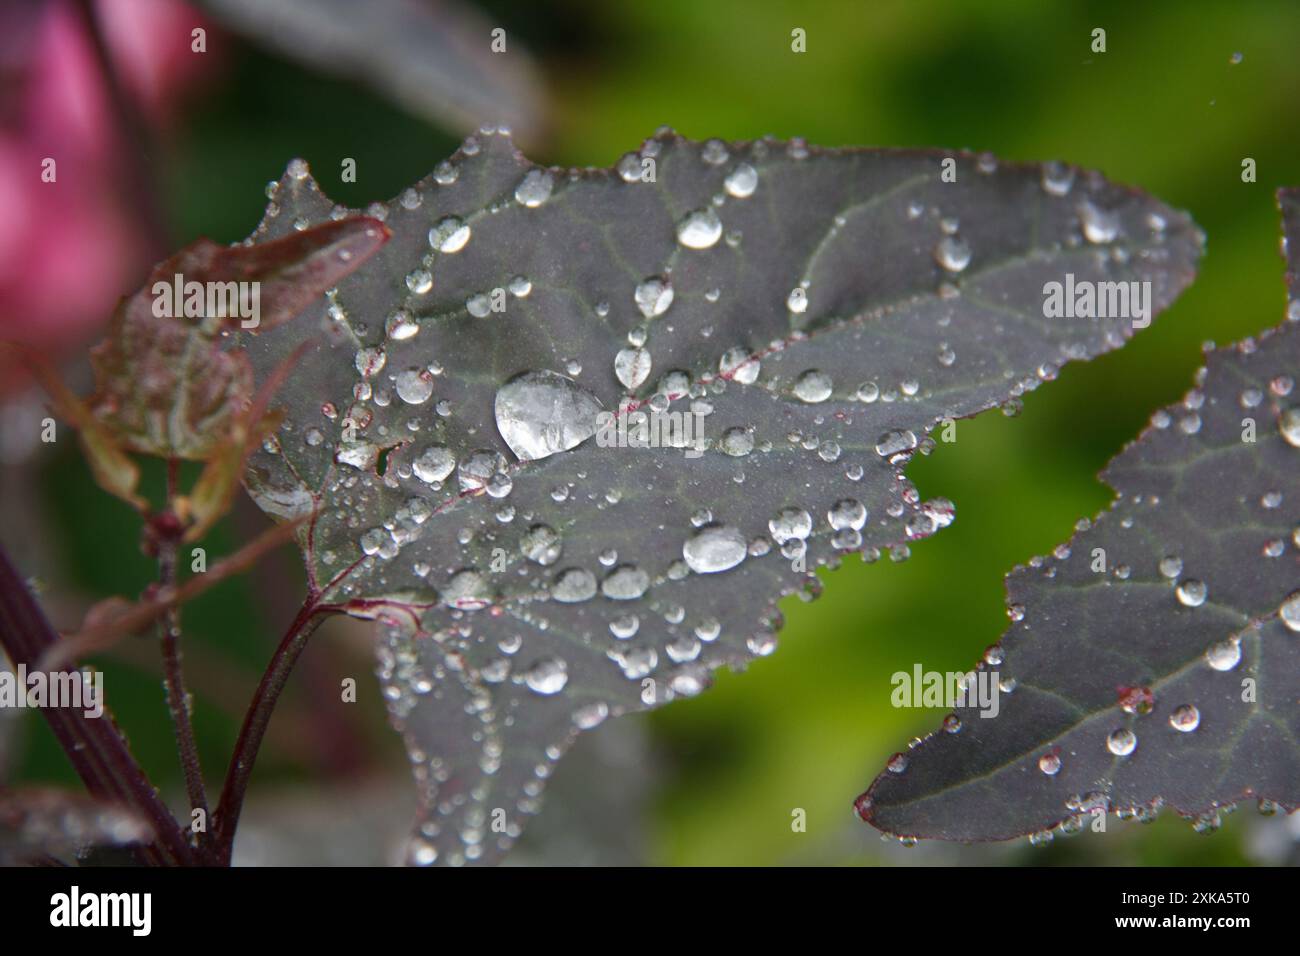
{"x":94,"y":746}
{"x":256,"y":721}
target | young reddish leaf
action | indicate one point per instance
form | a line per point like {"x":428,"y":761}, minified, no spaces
{"x":814,"y":311}
{"x":113,"y":469}
{"x":211,"y":495}
{"x":170,"y":385}
{"x":1154,"y":658}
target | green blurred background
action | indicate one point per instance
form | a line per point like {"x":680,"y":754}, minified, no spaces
{"x":716,"y":778}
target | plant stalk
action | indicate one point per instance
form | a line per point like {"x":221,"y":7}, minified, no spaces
{"x":256,"y":721}
{"x":178,"y":699}
{"x":98,"y":752}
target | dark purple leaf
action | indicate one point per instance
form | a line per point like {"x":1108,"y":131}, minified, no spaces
{"x":1155,"y":659}
{"x":530,"y":594}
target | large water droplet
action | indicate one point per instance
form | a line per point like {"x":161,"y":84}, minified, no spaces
{"x":714,"y":548}
{"x":540,"y":413}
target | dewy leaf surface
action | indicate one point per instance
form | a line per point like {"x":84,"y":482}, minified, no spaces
{"x":1171,"y":677}
{"x":533,"y":581}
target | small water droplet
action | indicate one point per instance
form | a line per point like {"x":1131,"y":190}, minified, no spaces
{"x":737,"y":442}
{"x":813,"y":386}
{"x":1289,"y":612}
{"x":535,"y":188}
{"x":627,"y":582}
{"x":467,"y":591}
{"x":895,"y":442}
{"x":547,"y":676}
{"x":1122,"y":742}
{"x":419,"y":281}
{"x":953,"y":253}
{"x":847,"y":513}
{"x":400,"y":326}
{"x":625,"y":626}
{"x":1224,"y":656}
{"x":541,"y":544}
{"x":742,"y":181}
{"x":653,"y":296}
{"x":414,"y":386}
{"x":1057,"y":178}
{"x":1099,"y":226}
{"x":1185,"y":718}
{"x":590,"y":715}
{"x":1171,"y":566}
{"x":632,"y":367}
{"x":434,"y":464}
{"x":738,"y":365}
{"x":449,"y":235}
{"x":574,"y":585}
{"x":699,"y":229}
{"x":1191,"y":592}
{"x":1288,"y":423}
